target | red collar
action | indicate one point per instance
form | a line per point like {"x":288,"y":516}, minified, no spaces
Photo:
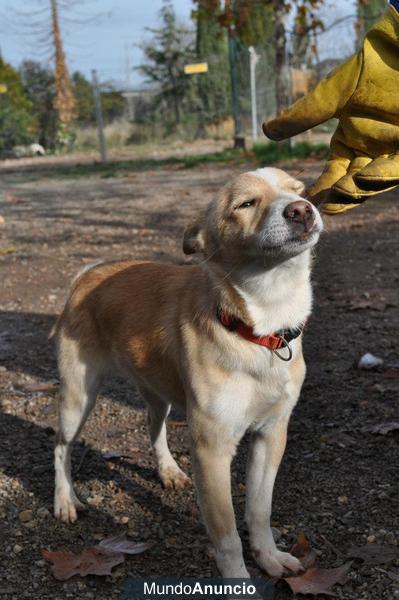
{"x":275,"y":341}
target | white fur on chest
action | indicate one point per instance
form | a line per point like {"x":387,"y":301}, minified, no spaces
{"x":279,"y":298}
{"x":248,"y":402}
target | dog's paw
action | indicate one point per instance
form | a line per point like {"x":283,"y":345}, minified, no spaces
{"x":277,"y":563}
{"x":66,"y":508}
{"x":173,"y":478}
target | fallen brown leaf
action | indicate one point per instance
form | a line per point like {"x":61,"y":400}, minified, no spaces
{"x":318,"y":581}
{"x":374,"y":554}
{"x":174,"y":423}
{"x":117,"y":454}
{"x":382,"y":428}
{"x":379,"y":306}
{"x":302,"y":550}
{"x":36,"y":386}
{"x":97,"y":560}
{"x":391,"y":372}
{"x":7,"y":250}
{"x":92,"y":561}
{"x":119,"y":543}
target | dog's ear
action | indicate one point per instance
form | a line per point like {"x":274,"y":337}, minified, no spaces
{"x":294,"y":185}
{"x":193,"y":239}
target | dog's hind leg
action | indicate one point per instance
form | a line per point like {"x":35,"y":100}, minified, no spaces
{"x":79,"y":386}
{"x":170,"y":473}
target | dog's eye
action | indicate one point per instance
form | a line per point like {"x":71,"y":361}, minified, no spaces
{"x":247,"y":204}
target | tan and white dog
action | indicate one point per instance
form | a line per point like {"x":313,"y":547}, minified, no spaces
{"x":210,"y":339}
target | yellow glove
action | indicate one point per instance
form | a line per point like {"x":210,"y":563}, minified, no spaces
{"x":363,"y":93}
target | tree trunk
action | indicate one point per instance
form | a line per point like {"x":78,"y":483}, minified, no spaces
{"x":282,"y":68}
{"x":64,"y":100}
{"x":367,"y":13}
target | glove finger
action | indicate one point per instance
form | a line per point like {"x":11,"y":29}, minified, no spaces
{"x":345,"y":194}
{"x":337,"y":167}
{"x":380,"y":175}
{"x":324,"y":102}
{"x":347,"y":185}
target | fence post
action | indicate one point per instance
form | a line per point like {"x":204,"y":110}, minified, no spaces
{"x":99,"y":116}
{"x":253,"y":60}
{"x":239,"y":140}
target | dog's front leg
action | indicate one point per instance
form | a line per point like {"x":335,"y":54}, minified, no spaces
{"x":212,"y":455}
{"x":266,"y":451}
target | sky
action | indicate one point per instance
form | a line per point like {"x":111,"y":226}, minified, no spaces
{"x":109,"y":42}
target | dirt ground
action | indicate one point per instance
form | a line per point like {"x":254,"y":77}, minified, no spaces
{"x":338,"y":481}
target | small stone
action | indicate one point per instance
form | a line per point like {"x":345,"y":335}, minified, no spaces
{"x":343,"y":500}
{"x":40,"y":563}
{"x":43,"y":512}
{"x":25,"y":516}
{"x":29,"y":524}
{"x":276,"y":534}
{"x":95,"y":500}
{"x":390,"y":538}
{"x":371,"y":539}
{"x":17,"y":549}
{"x":124,"y":520}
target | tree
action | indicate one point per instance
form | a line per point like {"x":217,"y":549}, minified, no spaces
{"x":253,"y":21}
{"x":213,"y":86}
{"x":64,"y":101}
{"x":171,"y":47}
{"x":84,"y":98}
{"x":17,"y":124}
{"x":39,"y":85}
{"x":368,"y":12}
{"x":112,"y":101}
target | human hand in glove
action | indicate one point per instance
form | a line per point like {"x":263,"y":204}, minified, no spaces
{"x":363,"y":93}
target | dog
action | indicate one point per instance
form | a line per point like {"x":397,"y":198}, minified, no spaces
{"x":221,"y":339}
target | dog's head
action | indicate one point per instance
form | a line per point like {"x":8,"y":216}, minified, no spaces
{"x":259,"y":216}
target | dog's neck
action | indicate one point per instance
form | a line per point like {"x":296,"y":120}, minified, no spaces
{"x":273,"y":299}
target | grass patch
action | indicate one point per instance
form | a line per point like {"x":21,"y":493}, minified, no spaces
{"x":120,"y":168}
{"x":261,"y":154}
{"x":273,"y":151}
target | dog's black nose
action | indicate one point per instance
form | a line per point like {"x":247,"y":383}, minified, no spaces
{"x":299,"y":212}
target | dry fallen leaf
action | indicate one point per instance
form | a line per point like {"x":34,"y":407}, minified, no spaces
{"x":174,"y":423}
{"x":117,"y":454}
{"x":318,"y":581}
{"x":36,"y":386}
{"x":119,"y":543}
{"x":97,"y":560}
{"x":382,"y":428}
{"x":302,"y":550}
{"x":374,"y":554}
{"x":391,"y":372}
{"x":92,"y":561}
{"x":7,"y":250}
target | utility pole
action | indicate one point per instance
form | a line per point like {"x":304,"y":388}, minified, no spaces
{"x":128,"y":67}
{"x":253,"y":60}
{"x":99,"y":116}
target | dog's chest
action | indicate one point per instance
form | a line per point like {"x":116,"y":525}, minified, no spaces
{"x":245,"y":401}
